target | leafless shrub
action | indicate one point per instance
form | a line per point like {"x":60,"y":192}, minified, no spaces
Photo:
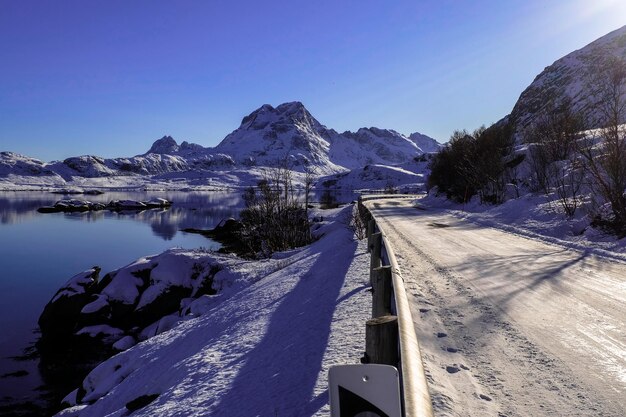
{"x":274,"y":217}
{"x":357,"y":223}
{"x":604,"y":150}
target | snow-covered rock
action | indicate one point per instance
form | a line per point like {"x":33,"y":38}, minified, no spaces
{"x":73,"y":205}
{"x":57,"y":318}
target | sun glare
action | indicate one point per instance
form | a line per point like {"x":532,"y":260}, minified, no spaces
{"x":616,"y":8}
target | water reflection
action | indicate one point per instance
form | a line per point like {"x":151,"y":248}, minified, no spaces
{"x":190,"y":210}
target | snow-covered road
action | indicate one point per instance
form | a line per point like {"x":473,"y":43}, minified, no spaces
{"x":510,"y":326}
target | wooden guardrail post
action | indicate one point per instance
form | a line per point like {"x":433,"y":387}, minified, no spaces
{"x":381,"y":340}
{"x":371,"y":227}
{"x":375,"y":245}
{"x":381,"y":291}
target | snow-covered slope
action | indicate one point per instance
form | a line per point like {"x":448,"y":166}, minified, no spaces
{"x":425,"y":143}
{"x":16,"y":164}
{"x":372,"y":146}
{"x":409,"y":177}
{"x":569,"y":77}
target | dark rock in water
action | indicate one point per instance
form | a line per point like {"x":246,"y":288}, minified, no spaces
{"x":127,"y":205}
{"x":227,"y":233}
{"x":48,"y":209}
{"x":64,"y":365}
{"x":66,"y":191}
{"x":58,"y":318}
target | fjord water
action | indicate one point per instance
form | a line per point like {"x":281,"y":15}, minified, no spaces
{"x":40,"y":252}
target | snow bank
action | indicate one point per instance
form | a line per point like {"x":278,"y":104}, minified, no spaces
{"x":262,"y":346}
{"x":536,"y":217}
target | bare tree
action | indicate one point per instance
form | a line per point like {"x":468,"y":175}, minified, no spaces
{"x":476,"y":163}
{"x":604,"y":149}
{"x":552,"y":140}
{"x":309,"y":180}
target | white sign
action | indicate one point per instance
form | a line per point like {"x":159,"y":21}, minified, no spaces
{"x":366,"y":390}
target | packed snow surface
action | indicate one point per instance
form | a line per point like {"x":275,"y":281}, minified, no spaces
{"x":511,"y":321}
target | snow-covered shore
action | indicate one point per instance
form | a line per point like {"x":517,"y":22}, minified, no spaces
{"x":261,"y":346}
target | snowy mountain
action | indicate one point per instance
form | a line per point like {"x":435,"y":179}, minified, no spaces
{"x":571,"y":77}
{"x":266,"y":137}
{"x":372,"y":146}
{"x":16,"y":164}
{"x":425,"y":143}
{"x":270,"y":134}
{"x":168,"y":146}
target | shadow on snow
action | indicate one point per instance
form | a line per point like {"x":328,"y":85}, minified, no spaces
{"x":283,"y":368}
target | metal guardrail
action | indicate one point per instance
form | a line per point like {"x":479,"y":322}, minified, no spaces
{"x":415,"y":397}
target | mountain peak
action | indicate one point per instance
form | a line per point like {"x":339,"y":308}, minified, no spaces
{"x":165,"y":145}
{"x":286,"y":113}
{"x":291,"y":107}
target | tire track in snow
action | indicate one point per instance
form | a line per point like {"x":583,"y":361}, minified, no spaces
{"x":478,"y":361}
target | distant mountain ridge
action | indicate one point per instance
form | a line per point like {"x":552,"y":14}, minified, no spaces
{"x":267,"y":136}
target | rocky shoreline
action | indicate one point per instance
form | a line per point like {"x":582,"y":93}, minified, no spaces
{"x":90,"y":318}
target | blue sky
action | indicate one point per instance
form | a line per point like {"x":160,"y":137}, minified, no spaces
{"x":110,"y":77}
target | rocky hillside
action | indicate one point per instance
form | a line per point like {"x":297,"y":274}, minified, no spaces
{"x":572,"y":77}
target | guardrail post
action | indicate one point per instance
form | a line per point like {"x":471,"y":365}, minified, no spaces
{"x":375,"y":245}
{"x":371,"y":227}
{"x":381,"y":340}
{"x":381,"y":291}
